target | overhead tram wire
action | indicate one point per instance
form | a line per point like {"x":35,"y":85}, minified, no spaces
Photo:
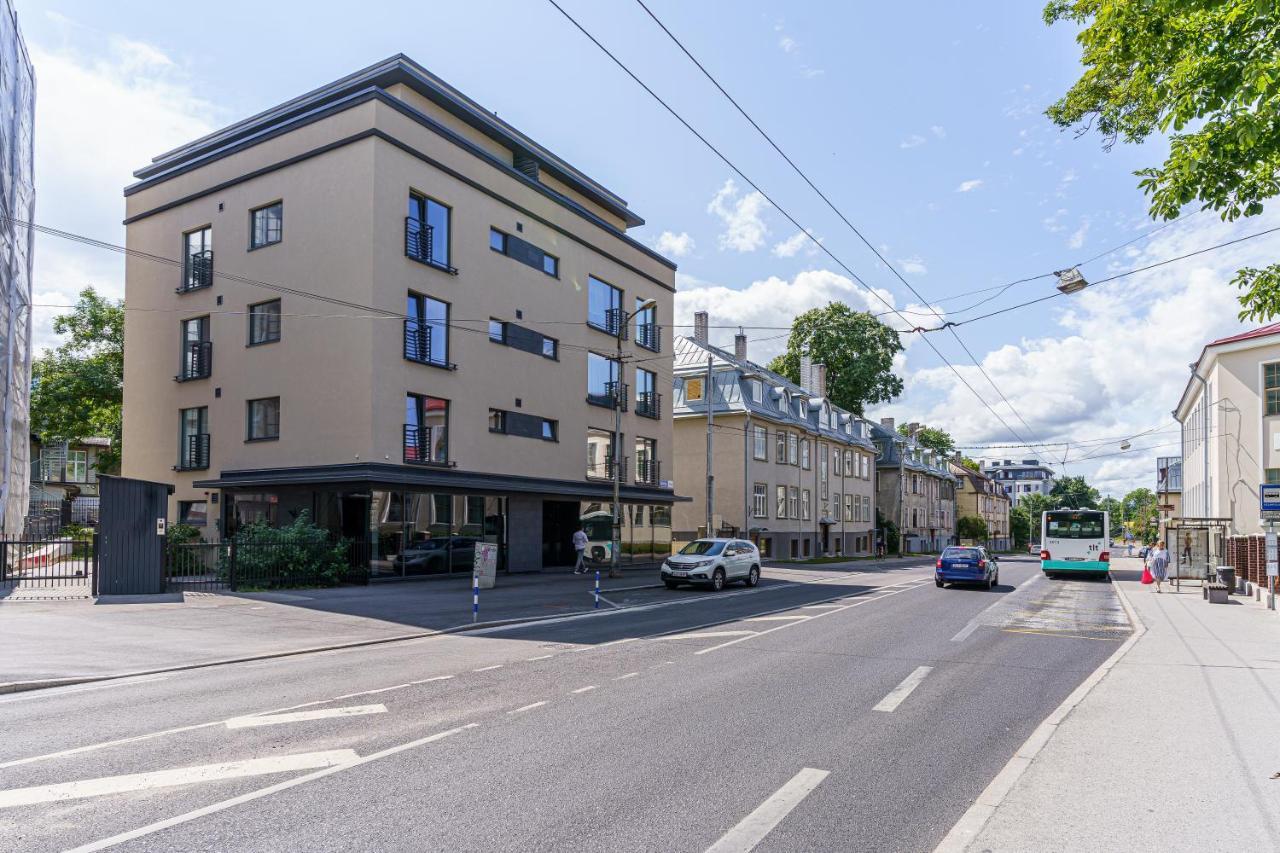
{"x":852,"y":228}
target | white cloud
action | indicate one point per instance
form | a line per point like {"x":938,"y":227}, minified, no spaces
{"x":674,"y":245}
{"x":106,"y":106}
{"x":809,"y":72}
{"x":787,"y":43}
{"x":968,"y":186}
{"x":742,"y":216}
{"x":1053,"y":224}
{"x":938,"y":131}
{"x":791,"y":246}
{"x":913,"y":266}
{"x":1070,"y":382}
{"x":1078,"y":236}
{"x":915,"y":140}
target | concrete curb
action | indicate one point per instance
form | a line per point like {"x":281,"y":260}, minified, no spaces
{"x":966,"y":829}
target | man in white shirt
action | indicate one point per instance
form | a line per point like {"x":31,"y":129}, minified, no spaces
{"x":580,"y":545}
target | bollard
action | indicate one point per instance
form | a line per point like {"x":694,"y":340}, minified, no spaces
{"x":597,"y":589}
{"x":475,"y":597}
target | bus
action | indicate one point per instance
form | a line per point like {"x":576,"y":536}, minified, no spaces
{"x":1075,"y":542}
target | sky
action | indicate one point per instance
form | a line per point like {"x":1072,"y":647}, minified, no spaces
{"x":926,"y":128}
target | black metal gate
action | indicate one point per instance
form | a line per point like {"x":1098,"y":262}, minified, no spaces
{"x":48,"y":566}
{"x":199,"y":567}
{"x":131,"y":536}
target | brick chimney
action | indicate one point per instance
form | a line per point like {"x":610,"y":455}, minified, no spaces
{"x":806,"y":370}
{"x":820,"y":379}
{"x":912,"y":429}
{"x":887,"y":423}
{"x":740,"y":345}
{"x":700,"y":322}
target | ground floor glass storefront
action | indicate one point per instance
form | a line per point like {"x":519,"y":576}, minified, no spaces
{"x":424,"y":533}
{"x":645,"y":536}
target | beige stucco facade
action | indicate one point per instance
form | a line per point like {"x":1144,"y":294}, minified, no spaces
{"x":339,"y":367}
{"x":980,"y":496}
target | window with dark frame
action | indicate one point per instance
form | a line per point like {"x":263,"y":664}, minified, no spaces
{"x":599,"y":453}
{"x":427,"y":231}
{"x":602,"y":374}
{"x":760,"y":443}
{"x":550,"y":348}
{"x":263,"y":419}
{"x":648,"y":333}
{"x":1271,"y":384}
{"x":524,"y":252}
{"x":266,"y":225}
{"x":426,"y":331}
{"x":426,"y":430}
{"x":195,"y":513}
{"x":604,"y":306}
{"x":197,"y":259}
{"x":497,"y":331}
{"x":497,"y":420}
{"x":193,"y":438}
{"x":264,"y":322}
{"x":197,"y":350}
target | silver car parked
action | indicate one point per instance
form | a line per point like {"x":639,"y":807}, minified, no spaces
{"x":713,"y":563}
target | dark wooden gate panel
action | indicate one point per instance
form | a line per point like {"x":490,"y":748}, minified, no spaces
{"x":132,"y":518}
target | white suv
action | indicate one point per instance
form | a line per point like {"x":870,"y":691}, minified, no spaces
{"x":713,"y":563}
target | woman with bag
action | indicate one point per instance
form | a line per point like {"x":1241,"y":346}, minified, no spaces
{"x":1157,"y":565}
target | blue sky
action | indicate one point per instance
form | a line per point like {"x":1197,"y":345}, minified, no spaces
{"x":925,"y":126}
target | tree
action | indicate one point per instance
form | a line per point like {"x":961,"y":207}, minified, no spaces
{"x":77,"y":389}
{"x":937,"y":440}
{"x":1033,"y":505}
{"x":972,"y":527}
{"x":1208,"y":71}
{"x":1141,"y":512}
{"x":971,"y":464}
{"x":1116,"y":510}
{"x":1075,"y":493}
{"x":856,"y":348}
{"x":1020,"y":524}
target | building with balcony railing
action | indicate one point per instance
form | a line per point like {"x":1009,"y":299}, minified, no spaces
{"x":387,"y":419}
{"x":791,"y":470}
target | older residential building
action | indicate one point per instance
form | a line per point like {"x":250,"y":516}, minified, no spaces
{"x":64,"y":483}
{"x":791,"y":470}
{"x":915,"y":490}
{"x":1019,"y":479}
{"x":1230,"y":417}
{"x":397,"y":312}
{"x":980,"y":496}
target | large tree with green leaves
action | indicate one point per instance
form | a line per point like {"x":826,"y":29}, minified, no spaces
{"x":972,"y":527}
{"x":856,"y":348}
{"x":77,"y":389}
{"x":1206,"y":72}
{"x":1115,"y":509}
{"x":1142,"y":513}
{"x":1074,"y":492}
{"x":933,"y":438}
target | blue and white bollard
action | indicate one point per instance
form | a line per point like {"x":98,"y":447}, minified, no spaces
{"x":475,"y":598}
{"x":597,"y":589}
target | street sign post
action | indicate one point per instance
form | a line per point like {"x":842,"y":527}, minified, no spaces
{"x":1273,"y":566}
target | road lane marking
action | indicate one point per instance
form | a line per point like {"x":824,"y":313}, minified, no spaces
{"x":304,"y":716}
{"x":169,"y":778}
{"x":775,"y":618}
{"x":752,"y":829}
{"x":890,"y":703}
{"x":527,"y":708}
{"x":487,"y":668}
{"x":978,"y":621}
{"x":701,"y":634}
{"x":214,"y":808}
{"x":586,"y":689}
{"x":540,"y":657}
{"x":625,"y":677}
{"x":1063,"y":634}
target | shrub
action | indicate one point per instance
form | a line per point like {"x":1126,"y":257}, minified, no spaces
{"x":185,"y":557}
{"x":301,"y":554}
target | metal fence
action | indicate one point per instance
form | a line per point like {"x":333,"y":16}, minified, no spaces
{"x":232,"y":565}
{"x":60,"y":563}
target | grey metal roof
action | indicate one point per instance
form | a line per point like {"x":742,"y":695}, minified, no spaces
{"x":731,"y":378}
{"x":891,"y":443}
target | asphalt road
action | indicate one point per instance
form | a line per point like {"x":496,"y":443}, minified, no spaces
{"x":854,"y":712}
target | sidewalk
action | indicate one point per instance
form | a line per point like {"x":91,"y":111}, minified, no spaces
{"x":79,"y":639}
{"x":1175,"y":747}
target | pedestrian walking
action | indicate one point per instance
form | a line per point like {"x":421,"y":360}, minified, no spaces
{"x":1158,"y":564}
{"x":580,"y":546}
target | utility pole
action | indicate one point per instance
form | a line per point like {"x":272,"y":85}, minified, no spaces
{"x":618,"y":460}
{"x":902,"y":494}
{"x":707,"y":395}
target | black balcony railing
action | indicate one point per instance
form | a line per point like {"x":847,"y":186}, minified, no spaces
{"x":417,"y":344}
{"x":615,"y":322}
{"x":193,"y":454}
{"x":604,"y":469}
{"x":426,"y":445}
{"x":419,"y":244}
{"x":616,"y":392}
{"x":649,"y":336}
{"x":648,"y":472}
{"x":197,"y":271}
{"x":649,"y":404}
{"x":197,"y":361}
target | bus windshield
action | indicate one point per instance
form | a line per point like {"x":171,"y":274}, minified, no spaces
{"x":1075,"y":525}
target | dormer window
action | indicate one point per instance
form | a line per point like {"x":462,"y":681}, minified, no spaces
{"x":756,"y":389}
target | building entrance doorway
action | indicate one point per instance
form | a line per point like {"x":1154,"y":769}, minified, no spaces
{"x":826,"y":539}
{"x":559,"y":521}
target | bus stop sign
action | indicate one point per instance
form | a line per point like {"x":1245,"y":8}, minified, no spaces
{"x":1269,"y":501}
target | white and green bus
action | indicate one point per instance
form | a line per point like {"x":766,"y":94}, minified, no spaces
{"x":1075,"y":542}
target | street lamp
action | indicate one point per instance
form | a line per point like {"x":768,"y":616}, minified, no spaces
{"x":624,"y":318}
{"x":1070,"y":280}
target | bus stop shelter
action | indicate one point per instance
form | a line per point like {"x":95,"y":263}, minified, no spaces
{"x":1197,"y":546}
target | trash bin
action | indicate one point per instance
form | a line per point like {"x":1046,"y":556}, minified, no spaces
{"x":1227,"y":575}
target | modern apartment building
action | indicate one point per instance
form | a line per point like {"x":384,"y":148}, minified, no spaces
{"x":393,"y":310}
{"x":791,"y":471}
{"x":915,"y":489}
{"x":1230,"y":418}
{"x":979,"y":496}
{"x":17,"y":202}
{"x":1018,"y":479}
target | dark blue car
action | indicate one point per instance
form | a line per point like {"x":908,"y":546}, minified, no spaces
{"x":961,"y":564}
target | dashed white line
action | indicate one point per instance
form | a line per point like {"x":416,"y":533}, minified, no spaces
{"x":540,"y":657}
{"x":487,"y":668}
{"x":705,"y":634}
{"x":890,"y":703}
{"x":625,"y":677}
{"x":168,"y":778}
{"x":752,"y":829}
{"x":586,"y":689}
{"x":256,"y":721}
{"x":797,"y":616}
{"x":529,"y":707}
